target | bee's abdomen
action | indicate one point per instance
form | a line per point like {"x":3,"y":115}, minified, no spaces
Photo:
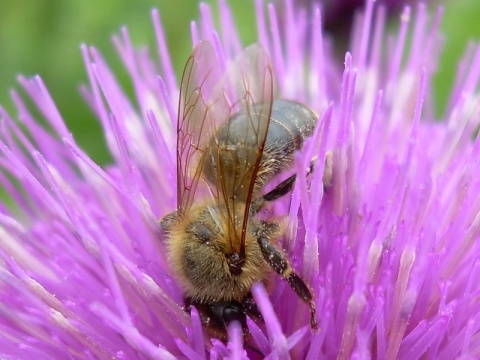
{"x":236,"y":144}
{"x":290,"y":124}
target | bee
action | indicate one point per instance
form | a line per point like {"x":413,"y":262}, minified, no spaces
{"x":233,"y":138}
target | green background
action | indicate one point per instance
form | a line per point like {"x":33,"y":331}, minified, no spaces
{"x":44,"y":36}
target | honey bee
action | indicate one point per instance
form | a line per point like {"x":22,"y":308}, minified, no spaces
{"x":233,"y":138}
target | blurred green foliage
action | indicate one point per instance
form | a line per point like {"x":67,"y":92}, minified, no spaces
{"x":460,"y":25}
{"x":44,"y":36}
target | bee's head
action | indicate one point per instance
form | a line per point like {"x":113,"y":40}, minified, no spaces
{"x":200,"y":255}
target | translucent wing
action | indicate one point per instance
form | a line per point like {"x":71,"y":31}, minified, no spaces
{"x":240,"y":111}
{"x":201,"y":73}
{"x":223,"y":121}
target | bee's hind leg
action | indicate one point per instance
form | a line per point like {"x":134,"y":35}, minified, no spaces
{"x":287,"y":185}
{"x":284,"y":187}
{"x":280,"y":190}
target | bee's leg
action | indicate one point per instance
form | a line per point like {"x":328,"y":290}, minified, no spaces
{"x":221,"y":313}
{"x":250,"y":307}
{"x":280,"y":264}
{"x":216,"y":316}
{"x":287,"y":185}
{"x":280,"y":190}
{"x":284,"y":187}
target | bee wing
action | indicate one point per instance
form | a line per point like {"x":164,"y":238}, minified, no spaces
{"x":243,"y":100}
{"x":201,"y":73}
{"x":211,"y":144}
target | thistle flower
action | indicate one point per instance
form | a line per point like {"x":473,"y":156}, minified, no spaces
{"x":389,"y":248}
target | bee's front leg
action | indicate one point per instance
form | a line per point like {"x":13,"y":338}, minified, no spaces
{"x":281,"y":266}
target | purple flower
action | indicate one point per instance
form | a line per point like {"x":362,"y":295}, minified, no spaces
{"x":389,"y":247}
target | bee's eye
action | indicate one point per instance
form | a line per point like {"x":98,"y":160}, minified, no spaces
{"x":200,"y":231}
{"x":169,"y":220}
